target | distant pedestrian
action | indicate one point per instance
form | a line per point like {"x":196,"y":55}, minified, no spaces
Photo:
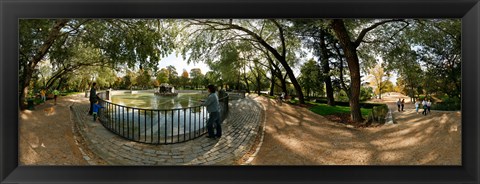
{"x":399,"y":102}
{"x":429,"y":104}
{"x":55,"y":94}
{"x":214,"y":115}
{"x":403,"y":103}
{"x":417,"y":103}
{"x":42,"y":94}
{"x":96,"y":108}
{"x":424,"y":103}
{"x":93,"y":97}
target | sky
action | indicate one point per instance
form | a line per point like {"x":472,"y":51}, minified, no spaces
{"x":181,"y":64}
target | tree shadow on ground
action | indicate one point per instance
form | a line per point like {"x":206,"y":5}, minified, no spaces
{"x":296,"y":136}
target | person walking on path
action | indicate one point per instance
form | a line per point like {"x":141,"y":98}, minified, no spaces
{"x":93,"y":98}
{"x":424,"y":103}
{"x":212,"y":105}
{"x":429,"y":104}
{"x":55,"y":94}
{"x":398,"y":104}
{"x":96,"y":108}
{"x":403,"y":103}
{"x":42,"y":94}
{"x":416,"y":105}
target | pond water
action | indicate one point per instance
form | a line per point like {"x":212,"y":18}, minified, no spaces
{"x":151,"y":101}
{"x":161,"y":124}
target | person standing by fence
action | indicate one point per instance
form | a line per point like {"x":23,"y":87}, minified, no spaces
{"x":96,"y":108}
{"x":93,"y":98}
{"x":213,"y":109}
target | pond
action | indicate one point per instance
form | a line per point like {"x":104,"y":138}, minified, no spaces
{"x":149,"y":118}
{"x":151,"y":101}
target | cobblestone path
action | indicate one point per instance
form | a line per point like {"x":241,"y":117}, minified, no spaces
{"x":240,"y":131}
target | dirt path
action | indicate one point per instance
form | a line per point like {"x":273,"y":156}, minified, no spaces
{"x":297,"y":136}
{"x":46,"y":135}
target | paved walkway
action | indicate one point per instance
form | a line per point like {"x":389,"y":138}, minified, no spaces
{"x":240,"y":130}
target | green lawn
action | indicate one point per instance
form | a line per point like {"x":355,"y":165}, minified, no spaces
{"x":324,"y":109}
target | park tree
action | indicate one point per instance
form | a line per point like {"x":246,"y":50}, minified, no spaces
{"x":120,"y":41}
{"x":429,"y":47}
{"x":130,"y":79}
{"x":310,"y":77}
{"x":213,"y":77}
{"x":163,"y":76}
{"x":378,"y":78}
{"x":389,"y":86}
{"x":318,"y":38}
{"x":271,"y":34}
{"x":36,"y":38}
{"x":196,"y":76}
{"x":173,"y":75}
{"x":184,"y":79}
{"x":349,"y":46}
{"x":440,"y":54}
{"x":257,"y":73}
{"x":144,"y":78}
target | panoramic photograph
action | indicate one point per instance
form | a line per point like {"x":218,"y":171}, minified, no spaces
{"x":239,"y":92}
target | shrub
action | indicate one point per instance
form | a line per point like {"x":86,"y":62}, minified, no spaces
{"x":342,"y":103}
{"x":324,"y":109}
{"x":378,"y":113}
{"x":448,"y":104}
{"x":366,"y":93}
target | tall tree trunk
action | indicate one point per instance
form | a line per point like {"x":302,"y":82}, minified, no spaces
{"x":380,"y":89}
{"x":350,"y":52}
{"x":246,"y":79}
{"x":280,"y":57}
{"x":342,"y":81}
{"x":258,"y":83}
{"x":326,"y":69}
{"x":272,"y":82}
{"x":284,"y":84}
{"x":40,"y":53}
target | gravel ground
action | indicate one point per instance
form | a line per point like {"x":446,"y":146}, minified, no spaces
{"x":46,"y":136}
{"x":296,"y":136}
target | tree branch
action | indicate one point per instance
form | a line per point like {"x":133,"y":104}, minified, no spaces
{"x":366,"y":30}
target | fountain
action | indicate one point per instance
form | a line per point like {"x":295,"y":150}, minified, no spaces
{"x":166,"y":90}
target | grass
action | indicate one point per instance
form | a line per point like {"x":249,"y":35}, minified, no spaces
{"x":324,"y":109}
{"x":70,"y":93}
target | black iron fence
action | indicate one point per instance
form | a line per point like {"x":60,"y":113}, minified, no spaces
{"x":157,"y":126}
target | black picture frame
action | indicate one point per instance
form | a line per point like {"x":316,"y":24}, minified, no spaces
{"x":11,"y":11}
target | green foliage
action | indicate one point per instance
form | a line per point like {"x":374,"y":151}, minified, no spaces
{"x":427,"y":57}
{"x":366,"y":93}
{"x":196,"y":77}
{"x":448,"y":104}
{"x":378,"y":113}
{"x":324,"y":109}
{"x":144,"y":79}
{"x":163,"y":76}
{"x":311,"y":77}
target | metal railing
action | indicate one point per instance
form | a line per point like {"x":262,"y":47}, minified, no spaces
{"x":156,"y":126}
